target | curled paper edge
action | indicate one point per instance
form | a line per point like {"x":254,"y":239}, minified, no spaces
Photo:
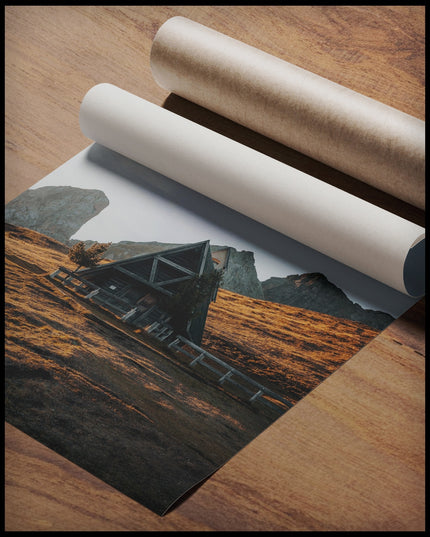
{"x":348,"y":229}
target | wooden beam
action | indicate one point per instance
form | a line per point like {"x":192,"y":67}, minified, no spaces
{"x":142,"y":280}
{"x":175,"y":265}
{"x":175,"y":280}
{"x":203,"y":259}
{"x":153,"y":269}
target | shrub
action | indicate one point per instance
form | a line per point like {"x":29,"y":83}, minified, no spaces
{"x":89,"y":257}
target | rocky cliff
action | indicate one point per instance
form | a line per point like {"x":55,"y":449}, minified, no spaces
{"x":241,"y":275}
{"x":314,"y":292}
{"x":56,"y":211}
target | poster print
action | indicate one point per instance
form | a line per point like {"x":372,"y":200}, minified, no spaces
{"x":151,"y":334}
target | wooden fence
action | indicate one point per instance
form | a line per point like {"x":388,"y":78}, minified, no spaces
{"x":252,"y":389}
{"x":159,"y":328}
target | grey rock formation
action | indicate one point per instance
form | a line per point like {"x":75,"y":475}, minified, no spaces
{"x":56,"y":211}
{"x":241,"y":275}
{"x":314,"y":292}
{"x":126,"y":249}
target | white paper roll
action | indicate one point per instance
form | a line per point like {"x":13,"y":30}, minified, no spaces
{"x":333,"y":124}
{"x":346,"y":228}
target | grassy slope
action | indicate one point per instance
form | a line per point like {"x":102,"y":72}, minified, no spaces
{"x":128,"y":414}
{"x":288,"y":349}
{"x":133,"y":415}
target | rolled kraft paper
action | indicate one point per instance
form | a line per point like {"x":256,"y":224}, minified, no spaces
{"x":346,"y":228}
{"x":335,"y":125}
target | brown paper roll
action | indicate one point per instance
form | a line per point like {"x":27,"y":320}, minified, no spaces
{"x":333,"y":124}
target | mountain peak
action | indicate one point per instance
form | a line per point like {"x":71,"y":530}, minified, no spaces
{"x":313,"y":291}
{"x":308,"y":279}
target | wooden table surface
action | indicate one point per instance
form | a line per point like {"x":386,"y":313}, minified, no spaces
{"x":350,"y":455}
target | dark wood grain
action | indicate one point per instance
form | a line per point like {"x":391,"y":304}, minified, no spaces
{"x":350,"y":455}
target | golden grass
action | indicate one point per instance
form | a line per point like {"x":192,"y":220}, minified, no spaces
{"x":135,"y":416}
{"x":131,"y":415}
{"x":292,"y":349}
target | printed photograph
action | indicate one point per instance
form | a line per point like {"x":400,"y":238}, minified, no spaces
{"x":146,"y":347}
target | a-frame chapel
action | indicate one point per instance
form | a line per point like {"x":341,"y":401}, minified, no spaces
{"x":134,"y":288}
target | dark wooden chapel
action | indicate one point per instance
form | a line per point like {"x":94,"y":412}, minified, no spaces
{"x":135,"y":289}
